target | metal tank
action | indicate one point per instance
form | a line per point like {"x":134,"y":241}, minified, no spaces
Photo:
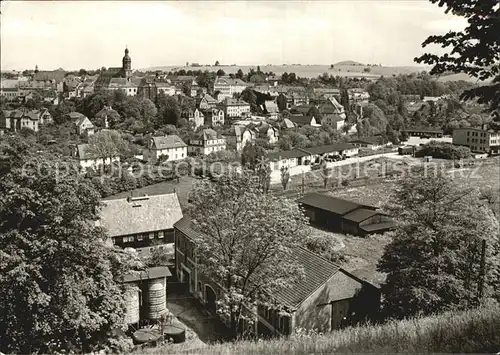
{"x":132,"y":299}
{"x":157,"y":300}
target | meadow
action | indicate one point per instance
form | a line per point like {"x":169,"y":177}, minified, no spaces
{"x":474,"y":331}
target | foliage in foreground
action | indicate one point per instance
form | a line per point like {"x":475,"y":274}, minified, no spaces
{"x":247,"y":243}
{"x":440,"y":150}
{"x":473,"y":331}
{"x":433,"y":263}
{"x":58,"y":278}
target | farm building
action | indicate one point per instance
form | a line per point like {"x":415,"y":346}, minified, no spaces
{"x":344,"y":216}
{"x":407,"y":150}
{"x":327,"y":298}
{"x":424,"y":133}
{"x":141,"y":222}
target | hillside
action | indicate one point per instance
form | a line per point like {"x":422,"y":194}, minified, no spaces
{"x":348,"y":62}
{"x":307,"y":71}
{"x":473,"y":331}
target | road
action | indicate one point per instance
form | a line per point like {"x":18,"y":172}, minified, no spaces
{"x":297,"y":170}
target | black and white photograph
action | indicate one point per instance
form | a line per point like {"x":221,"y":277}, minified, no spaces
{"x":249,"y":177}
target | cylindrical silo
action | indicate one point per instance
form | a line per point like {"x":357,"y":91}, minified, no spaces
{"x":132,"y":299}
{"x":157,"y":300}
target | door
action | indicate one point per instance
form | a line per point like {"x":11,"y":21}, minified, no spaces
{"x":186,"y":279}
{"x":211,"y":298}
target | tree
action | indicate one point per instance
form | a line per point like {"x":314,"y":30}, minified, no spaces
{"x":221,"y":72}
{"x":106,"y":145}
{"x":251,"y":155}
{"x":148,"y":110}
{"x":326,"y":174}
{"x":58,"y":278}
{"x":474,"y":50}
{"x":168,"y":110}
{"x":239,"y":74}
{"x":285,"y":176}
{"x":246,"y":243}
{"x":82,"y":72}
{"x":216,"y":63}
{"x":433,"y":261}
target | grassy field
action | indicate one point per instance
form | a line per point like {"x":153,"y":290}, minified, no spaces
{"x":474,"y":331}
{"x":308,"y":71}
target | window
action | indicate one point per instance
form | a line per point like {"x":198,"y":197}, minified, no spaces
{"x":160,"y":235}
{"x":128,"y":239}
{"x":140,"y":237}
{"x":151,"y":235}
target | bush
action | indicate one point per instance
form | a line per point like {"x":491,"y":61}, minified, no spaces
{"x":444,"y":151}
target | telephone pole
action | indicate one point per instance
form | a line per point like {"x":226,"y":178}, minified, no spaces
{"x":482,"y":270}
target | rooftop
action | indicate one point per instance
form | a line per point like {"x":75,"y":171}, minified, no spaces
{"x":151,"y":273}
{"x":331,"y":204}
{"x":330,"y":148}
{"x":300,"y":119}
{"x":317,"y":270}
{"x":367,"y":140}
{"x":360,"y":215}
{"x":288,"y":154}
{"x":136,"y":215}
{"x":170,"y":141}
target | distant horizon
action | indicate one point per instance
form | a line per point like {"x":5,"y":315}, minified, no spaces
{"x":93,"y":34}
{"x":183,"y":66}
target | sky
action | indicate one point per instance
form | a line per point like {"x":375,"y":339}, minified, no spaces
{"x":81,"y":34}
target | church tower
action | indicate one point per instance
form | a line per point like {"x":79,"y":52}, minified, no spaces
{"x":127,"y":65}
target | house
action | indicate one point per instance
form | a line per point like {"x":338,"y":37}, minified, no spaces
{"x":286,"y":101}
{"x":239,"y":136}
{"x":299,"y":121}
{"x":335,"y":120}
{"x":271,"y":109}
{"x":228,"y":86}
{"x":479,"y":140}
{"x":129,"y":86}
{"x":358,"y":95}
{"x":15,"y":120}
{"x":287,"y":124}
{"x":207,"y":102}
{"x":407,"y":150}
{"x":344,"y":216}
{"x":9,"y":93}
{"x":332,"y":107}
{"x":322,"y":152}
{"x":83,"y":125}
{"x":267,"y":132}
{"x":106,"y":115}
{"x":234,"y":108}
{"x":87,"y":160}
{"x":196,"y":116}
{"x":287,"y":159}
{"x":141,"y":222}
{"x":171,"y":146}
{"x":326,"y":93}
{"x":44,"y":116}
{"x":327,"y":298}
{"x":273,"y":80}
{"x":206,"y":141}
{"x":214,"y":117}
{"x":423,"y":132}
{"x":372,"y":143}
